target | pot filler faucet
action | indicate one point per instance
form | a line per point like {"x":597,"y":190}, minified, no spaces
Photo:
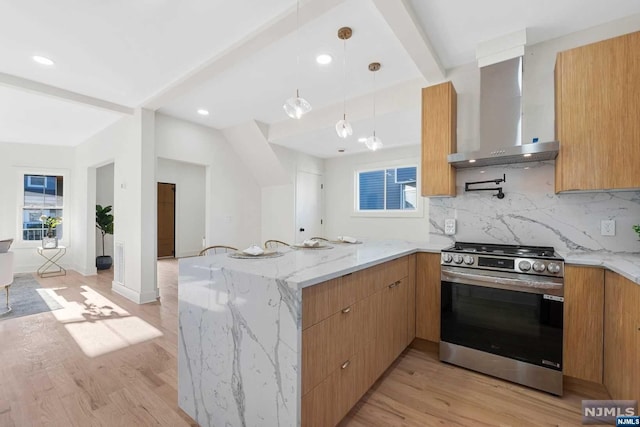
{"x":499,"y":194}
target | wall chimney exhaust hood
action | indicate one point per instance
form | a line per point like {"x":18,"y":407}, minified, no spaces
{"x":501,"y":121}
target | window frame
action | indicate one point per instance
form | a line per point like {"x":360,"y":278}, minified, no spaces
{"x":20,"y":206}
{"x":418,"y":212}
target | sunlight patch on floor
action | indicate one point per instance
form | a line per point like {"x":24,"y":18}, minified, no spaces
{"x":98,"y":325}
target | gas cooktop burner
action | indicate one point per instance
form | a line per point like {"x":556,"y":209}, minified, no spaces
{"x":513,"y":250}
{"x":534,"y":260}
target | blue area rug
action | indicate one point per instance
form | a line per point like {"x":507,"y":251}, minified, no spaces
{"x":26,"y":297}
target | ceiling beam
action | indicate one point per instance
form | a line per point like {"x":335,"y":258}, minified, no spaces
{"x":403,"y":96}
{"x":56,"y":92}
{"x":401,"y":19}
{"x":266,"y":35}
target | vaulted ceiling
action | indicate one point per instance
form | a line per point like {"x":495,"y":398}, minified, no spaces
{"x":238,"y":60}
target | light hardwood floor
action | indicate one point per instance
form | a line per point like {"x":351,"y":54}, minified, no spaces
{"x":92,"y":363}
{"x":105,"y":361}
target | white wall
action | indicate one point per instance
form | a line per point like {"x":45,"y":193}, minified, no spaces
{"x":190,"y":181}
{"x":233,"y":198}
{"x":340,"y":198}
{"x":129,"y":143}
{"x":279,"y":201}
{"x":104,"y":197}
{"x":15,"y":160}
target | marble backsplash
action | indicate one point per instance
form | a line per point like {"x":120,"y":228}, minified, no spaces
{"x":531,"y":214}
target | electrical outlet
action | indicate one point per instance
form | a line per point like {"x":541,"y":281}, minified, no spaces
{"x":449,"y":226}
{"x":607,"y":227}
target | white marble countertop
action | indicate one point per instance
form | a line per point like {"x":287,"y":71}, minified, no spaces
{"x":300,"y":268}
{"x":627,"y":265}
{"x":305,"y":267}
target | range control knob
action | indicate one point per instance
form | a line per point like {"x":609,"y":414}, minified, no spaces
{"x":524,"y":265}
{"x":539,"y":266}
{"x":446,"y":258}
{"x":457,"y":258}
{"x":553,"y":267}
{"x":468,"y":259}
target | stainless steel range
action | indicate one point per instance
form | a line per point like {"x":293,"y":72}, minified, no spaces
{"x":501,"y":312}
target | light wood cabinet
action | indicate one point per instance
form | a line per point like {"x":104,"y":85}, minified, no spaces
{"x":411,"y":299}
{"x":439,"y":118}
{"x":597,"y":109}
{"x":358,"y":324}
{"x":393,"y":322}
{"x":621,"y":337}
{"x":583,"y":323}
{"x":428,"y":296}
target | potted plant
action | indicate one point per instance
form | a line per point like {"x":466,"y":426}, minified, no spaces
{"x":636,"y":228}
{"x":50,"y":240}
{"x":104,"y":223}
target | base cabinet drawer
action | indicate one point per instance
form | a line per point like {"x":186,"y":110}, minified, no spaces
{"x":330,"y":342}
{"x":344,"y":353}
{"x":331,"y":400}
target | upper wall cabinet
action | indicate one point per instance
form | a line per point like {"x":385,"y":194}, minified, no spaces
{"x":438,"y":139}
{"x":598,"y":115}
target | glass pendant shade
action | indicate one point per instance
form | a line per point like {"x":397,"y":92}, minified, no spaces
{"x":373,"y":143}
{"x":343,"y":128}
{"x":296,"y":107}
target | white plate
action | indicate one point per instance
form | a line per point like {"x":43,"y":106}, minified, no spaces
{"x":267,"y":254}
{"x":320,"y":246}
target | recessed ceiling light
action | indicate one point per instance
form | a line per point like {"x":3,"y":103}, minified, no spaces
{"x":482,"y":171}
{"x":472,"y":161}
{"x":203,"y":112}
{"x":363,"y":139}
{"x":528,"y":155}
{"x":42,"y":60}
{"x":324,"y":59}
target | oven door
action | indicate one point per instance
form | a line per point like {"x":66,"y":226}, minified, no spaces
{"x":511,"y":315}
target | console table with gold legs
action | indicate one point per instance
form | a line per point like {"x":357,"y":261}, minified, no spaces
{"x":52,"y":256}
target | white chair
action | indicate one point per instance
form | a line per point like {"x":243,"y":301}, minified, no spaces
{"x":6,"y":276}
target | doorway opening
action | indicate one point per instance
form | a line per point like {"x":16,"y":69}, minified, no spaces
{"x":166,"y":220}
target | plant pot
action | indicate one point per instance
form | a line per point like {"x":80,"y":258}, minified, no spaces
{"x":103,"y":262}
{"x":49,"y":242}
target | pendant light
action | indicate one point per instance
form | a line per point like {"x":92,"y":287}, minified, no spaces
{"x":374,"y":143}
{"x":297,"y":106}
{"x":343,"y":127}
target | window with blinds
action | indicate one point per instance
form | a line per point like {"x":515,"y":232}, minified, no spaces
{"x":389,"y":189}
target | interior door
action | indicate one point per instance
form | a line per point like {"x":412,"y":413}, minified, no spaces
{"x":166,"y":220}
{"x":308,"y":206}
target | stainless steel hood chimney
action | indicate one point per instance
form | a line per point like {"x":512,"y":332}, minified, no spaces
{"x":501,"y":121}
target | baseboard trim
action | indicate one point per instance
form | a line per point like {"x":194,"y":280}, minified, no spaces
{"x":137,"y":297}
{"x":92,"y":271}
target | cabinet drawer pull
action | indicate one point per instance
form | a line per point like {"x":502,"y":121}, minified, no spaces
{"x":394,"y":284}
{"x":346,"y":364}
{"x":346,"y":310}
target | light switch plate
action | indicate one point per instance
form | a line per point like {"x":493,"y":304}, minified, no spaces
{"x":608,"y":227}
{"x":449,"y":226}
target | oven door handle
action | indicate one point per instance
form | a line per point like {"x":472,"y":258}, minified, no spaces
{"x":536,"y":286}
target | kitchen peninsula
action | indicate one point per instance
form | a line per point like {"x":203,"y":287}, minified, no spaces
{"x":241,"y":327}
{"x":299,"y":338}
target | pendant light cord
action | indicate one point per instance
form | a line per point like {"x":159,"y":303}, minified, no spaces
{"x":297,"y":48}
{"x":374,"y":104}
{"x":344,"y":79}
